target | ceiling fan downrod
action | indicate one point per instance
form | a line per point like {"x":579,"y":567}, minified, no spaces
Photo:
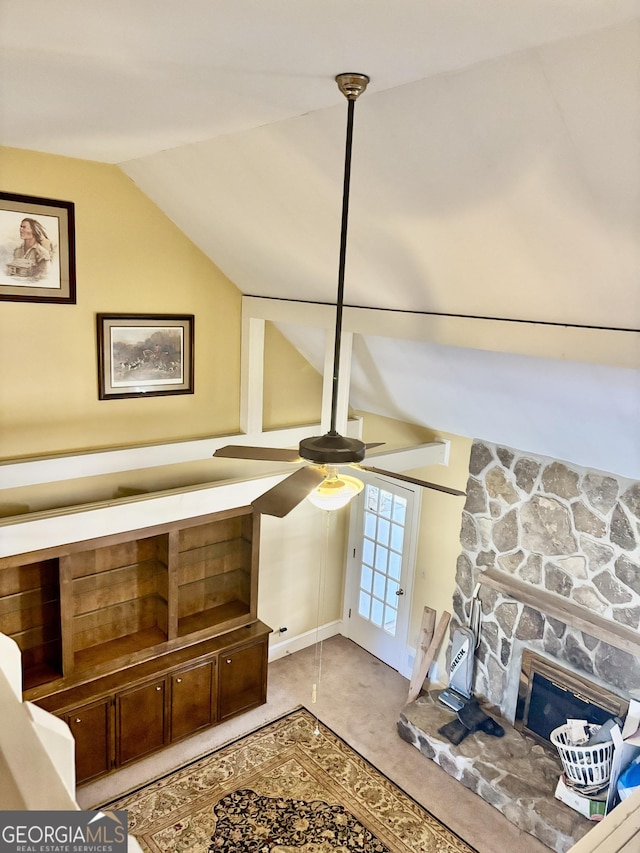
{"x":351,"y":86}
{"x":333,"y":448}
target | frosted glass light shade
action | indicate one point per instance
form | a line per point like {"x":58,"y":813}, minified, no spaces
{"x":335,"y":492}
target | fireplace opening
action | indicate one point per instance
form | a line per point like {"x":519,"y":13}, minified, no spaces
{"x":549,"y":695}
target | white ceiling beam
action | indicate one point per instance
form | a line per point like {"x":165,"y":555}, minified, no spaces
{"x":251,"y":373}
{"x":614,"y":347}
{"x":407,"y":459}
{"x":319,"y":315}
{"x":620,"y":348}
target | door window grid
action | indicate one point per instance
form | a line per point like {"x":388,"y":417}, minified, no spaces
{"x":384,"y":529}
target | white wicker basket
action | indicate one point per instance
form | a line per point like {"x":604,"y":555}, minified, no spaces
{"x":584,"y":765}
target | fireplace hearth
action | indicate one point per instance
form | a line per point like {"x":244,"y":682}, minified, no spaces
{"x":513,"y":773}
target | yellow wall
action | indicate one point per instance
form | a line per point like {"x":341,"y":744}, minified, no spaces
{"x":302,"y":569}
{"x":292,"y":386}
{"x":439,"y":539}
{"x":130,"y":258}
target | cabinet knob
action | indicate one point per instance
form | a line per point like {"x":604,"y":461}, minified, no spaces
{"x":77,"y":720}
{"x":228,"y":660}
{"x":178,"y":681}
{"x":158,"y":688}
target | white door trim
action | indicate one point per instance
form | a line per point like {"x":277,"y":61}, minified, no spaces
{"x":410,"y":550}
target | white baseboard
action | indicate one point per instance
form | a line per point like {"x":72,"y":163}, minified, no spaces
{"x":407,"y":669}
{"x":280,"y":647}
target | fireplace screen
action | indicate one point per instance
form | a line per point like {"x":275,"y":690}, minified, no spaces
{"x":549,"y":695}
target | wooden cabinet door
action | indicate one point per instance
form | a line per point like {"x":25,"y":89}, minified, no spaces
{"x":140,"y":721}
{"x":191,"y":692}
{"x":242,"y":680}
{"x":91,"y":729}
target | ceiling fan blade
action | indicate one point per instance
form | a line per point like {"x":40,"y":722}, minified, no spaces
{"x":262,"y":454}
{"x":286,"y":495}
{"x":374,"y":444}
{"x":416,"y":482}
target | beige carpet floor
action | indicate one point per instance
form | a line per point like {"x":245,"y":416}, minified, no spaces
{"x":291,"y":784}
{"x":360,"y":699}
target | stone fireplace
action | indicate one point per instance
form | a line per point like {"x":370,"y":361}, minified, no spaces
{"x":556,"y":551}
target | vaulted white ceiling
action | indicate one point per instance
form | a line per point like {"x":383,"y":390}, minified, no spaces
{"x":496,"y":173}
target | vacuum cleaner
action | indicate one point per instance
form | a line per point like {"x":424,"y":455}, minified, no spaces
{"x":464,"y":643}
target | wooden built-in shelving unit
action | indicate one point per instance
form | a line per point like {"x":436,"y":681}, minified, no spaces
{"x":122,"y":622}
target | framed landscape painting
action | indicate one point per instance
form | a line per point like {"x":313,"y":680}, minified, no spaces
{"x":37,"y":249}
{"x":144,"y":355}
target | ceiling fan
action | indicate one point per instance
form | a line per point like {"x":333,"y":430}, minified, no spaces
{"x":320,"y":479}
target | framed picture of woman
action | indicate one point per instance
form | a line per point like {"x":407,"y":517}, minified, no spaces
{"x":37,"y":249}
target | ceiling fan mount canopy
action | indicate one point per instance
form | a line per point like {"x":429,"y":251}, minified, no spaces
{"x":352,"y":85}
{"x":332,"y":449}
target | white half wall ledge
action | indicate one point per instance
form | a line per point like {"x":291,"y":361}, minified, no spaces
{"x":51,"y":528}
{"x":69,"y":466}
{"x":37,"y":531}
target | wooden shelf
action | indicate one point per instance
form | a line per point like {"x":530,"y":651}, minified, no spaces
{"x":122,"y":647}
{"x":37,"y":675}
{"x":213,"y":559}
{"x":30,"y":614}
{"x":108,"y":603}
{"x":560,"y":608}
{"x":86,"y":685}
{"x":204,"y":619}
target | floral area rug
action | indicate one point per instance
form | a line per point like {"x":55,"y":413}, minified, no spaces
{"x":292,"y":786}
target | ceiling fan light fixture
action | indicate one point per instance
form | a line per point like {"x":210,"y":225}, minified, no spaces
{"x":335,"y":491}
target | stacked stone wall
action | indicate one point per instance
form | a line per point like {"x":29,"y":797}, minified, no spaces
{"x":571,"y":531}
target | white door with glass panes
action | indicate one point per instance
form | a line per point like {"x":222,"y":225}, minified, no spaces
{"x":380,"y":564}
